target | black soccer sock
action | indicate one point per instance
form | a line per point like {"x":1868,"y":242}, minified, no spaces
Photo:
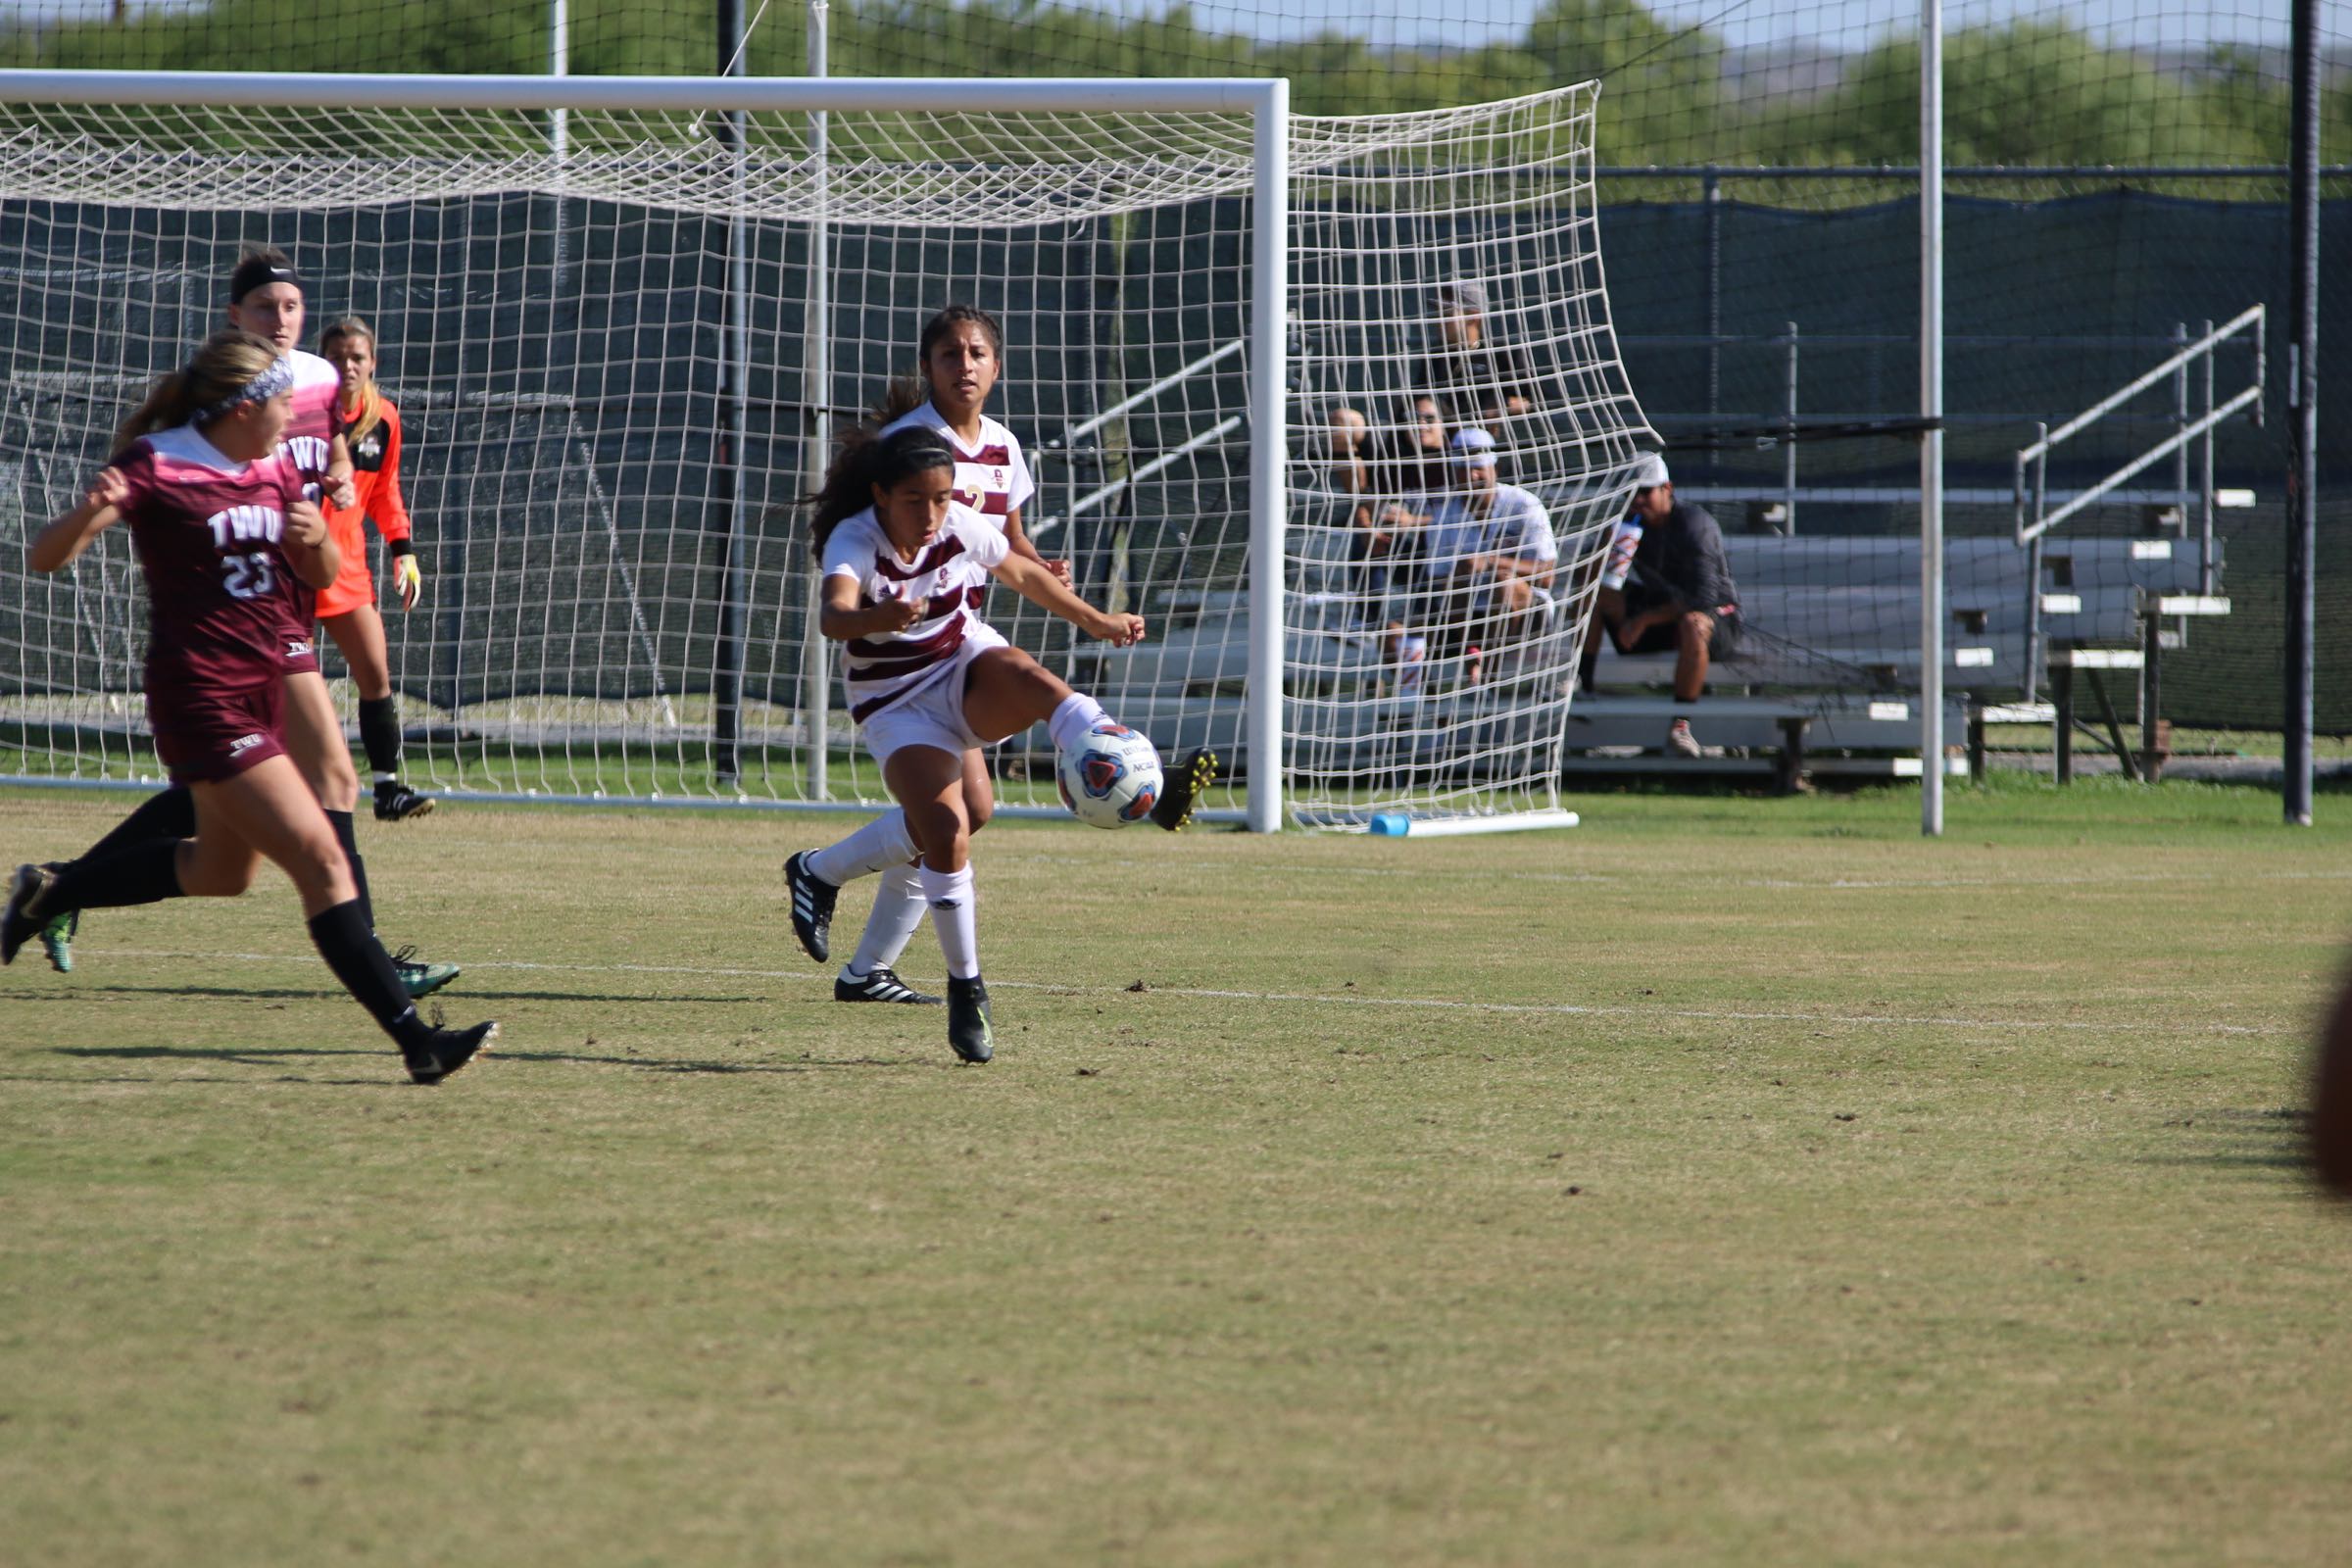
{"x":379,"y":733}
{"x":365,"y":970}
{"x":166,"y":815}
{"x":133,"y":873}
{"x":349,"y":838}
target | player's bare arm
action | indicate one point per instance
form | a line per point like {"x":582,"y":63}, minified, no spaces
{"x":1019,"y":538}
{"x":69,"y":533}
{"x":843,"y":618}
{"x":311,"y":548}
{"x":340,"y":487}
{"x":1035,"y":582}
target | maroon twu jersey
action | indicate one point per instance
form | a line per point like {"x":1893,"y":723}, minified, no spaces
{"x":220,"y":591}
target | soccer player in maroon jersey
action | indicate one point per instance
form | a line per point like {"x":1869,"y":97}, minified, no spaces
{"x":265,"y":298}
{"x":230,"y":545}
{"x":960,"y":355}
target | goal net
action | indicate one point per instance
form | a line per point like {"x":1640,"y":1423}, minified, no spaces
{"x":619,"y":337}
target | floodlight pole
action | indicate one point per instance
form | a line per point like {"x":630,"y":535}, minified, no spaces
{"x":2303,"y":422}
{"x":1931,"y":410}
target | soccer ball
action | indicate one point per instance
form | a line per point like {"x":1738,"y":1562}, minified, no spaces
{"x":1110,"y":778}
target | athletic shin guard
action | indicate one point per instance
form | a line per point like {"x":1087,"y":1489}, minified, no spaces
{"x":134,"y":873}
{"x":349,"y":838}
{"x":365,"y":970}
{"x":166,"y":815}
{"x":379,"y":733}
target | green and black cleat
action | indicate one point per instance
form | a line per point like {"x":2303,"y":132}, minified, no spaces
{"x":421,"y":977}
{"x":967,"y":1019}
{"x":1182,"y":788}
{"x":57,"y":940}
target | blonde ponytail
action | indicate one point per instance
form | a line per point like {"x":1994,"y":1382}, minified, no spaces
{"x":227,"y":362}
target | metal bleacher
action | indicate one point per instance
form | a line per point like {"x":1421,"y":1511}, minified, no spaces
{"x":1831,"y":625}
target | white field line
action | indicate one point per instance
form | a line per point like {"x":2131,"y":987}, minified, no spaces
{"x":1425,"y":874}
{"x":1552,"y":1009}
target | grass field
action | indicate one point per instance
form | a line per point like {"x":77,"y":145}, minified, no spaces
{"x":1724,"y":1180}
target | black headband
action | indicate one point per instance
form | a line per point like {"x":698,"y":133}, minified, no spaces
{"x":258,"y":271}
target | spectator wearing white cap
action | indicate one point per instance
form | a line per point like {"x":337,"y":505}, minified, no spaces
{"x":1479,"y":381}
{"x":1488,"y":555}
{"x":1676,"y":595}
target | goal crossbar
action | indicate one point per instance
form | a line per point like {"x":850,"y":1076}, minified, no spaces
{"x":290,"y":89}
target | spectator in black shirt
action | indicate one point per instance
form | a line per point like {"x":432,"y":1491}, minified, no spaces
{"x":1675,"y":593}
{"x":1478,"y":382}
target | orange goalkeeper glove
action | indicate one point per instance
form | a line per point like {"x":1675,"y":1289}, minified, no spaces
{"x":407,"y":576}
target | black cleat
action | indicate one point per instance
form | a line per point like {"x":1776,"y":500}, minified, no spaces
{"x":395,"y":802}
{"x":967,"y":1019}
{"x":22,"y":920}
{"x":882,"y":984}
{"x":445,"y":1050}
{"x":812,"y":906}
{"x":1182,"y":789}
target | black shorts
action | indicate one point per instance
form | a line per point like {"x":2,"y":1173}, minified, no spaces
{"x":1449,"y":610}
{"x":1667,"y":638}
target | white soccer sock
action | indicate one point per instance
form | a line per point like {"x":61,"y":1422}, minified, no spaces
{"x":876,"y":846}
{"x":899,"y":907}
{"x":950,"y":894}
{"x":1077,"y":715}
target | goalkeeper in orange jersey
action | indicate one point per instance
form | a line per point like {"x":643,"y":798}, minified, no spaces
{"x":371,"y":428}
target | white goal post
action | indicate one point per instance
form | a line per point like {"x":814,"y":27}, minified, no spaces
{"x":620,"y":615}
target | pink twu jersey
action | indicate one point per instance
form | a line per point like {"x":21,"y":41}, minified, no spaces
{"x":308,"y":439}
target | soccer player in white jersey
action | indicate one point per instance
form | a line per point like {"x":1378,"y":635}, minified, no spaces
{"x":929,"y":682}
{"x":960,"y":356}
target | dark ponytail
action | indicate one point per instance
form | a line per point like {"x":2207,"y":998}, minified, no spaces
{"x":861,"y":461}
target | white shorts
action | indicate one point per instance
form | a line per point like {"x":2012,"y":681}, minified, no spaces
{"x":934,"y":715}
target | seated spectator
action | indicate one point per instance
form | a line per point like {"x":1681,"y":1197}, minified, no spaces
{"x":1667,"y":587}
{"x":1348,"y":448}
{"x":1476,"y":382}
{"x":1384,"y":482}
{"x":1488,"y":556}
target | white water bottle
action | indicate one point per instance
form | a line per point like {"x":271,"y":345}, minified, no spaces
{"x":1621,"y":554}
{"x":1412,"y":656}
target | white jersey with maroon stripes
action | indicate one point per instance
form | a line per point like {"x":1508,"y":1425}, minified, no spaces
{"x":992,"y":478}
{"x":882,"y":669}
